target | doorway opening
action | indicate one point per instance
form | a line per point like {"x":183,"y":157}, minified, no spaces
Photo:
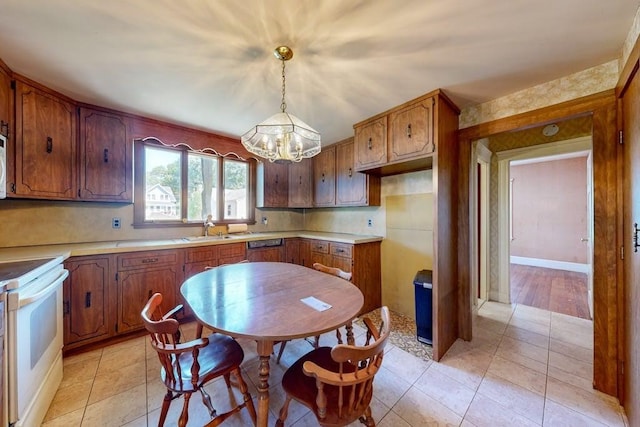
{"x":545,"y":253}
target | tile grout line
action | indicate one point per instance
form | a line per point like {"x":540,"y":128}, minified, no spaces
{"x":493,"y":356}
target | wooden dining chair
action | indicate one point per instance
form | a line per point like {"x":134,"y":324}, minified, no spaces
{"x":188,"y":366}
{"x":337,"y":383}
{"x":329,"y":270}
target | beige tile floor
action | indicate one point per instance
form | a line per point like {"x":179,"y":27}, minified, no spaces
{"x":524,"y":367}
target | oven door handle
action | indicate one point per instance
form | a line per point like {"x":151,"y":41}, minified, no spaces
{"x":46,"y":290}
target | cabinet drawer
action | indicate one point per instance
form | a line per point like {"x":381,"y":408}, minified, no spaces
{"x":207,"y":253}
{"x":146,"y":259}
{"x":320,"y":246}
{"x":232,"y":250}
{"x":341,"y":249}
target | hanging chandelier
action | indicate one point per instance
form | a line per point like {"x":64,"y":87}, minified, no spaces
{"x":282,"y":137}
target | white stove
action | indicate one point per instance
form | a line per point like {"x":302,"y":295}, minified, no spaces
{"x":34,"y":336}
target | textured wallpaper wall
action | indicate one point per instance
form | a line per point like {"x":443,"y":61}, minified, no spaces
{"x":583,"y":83}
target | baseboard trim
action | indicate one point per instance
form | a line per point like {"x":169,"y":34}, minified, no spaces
{"x":547,"y":263}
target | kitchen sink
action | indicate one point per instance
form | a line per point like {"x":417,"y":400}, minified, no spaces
{"x":203,"y":238}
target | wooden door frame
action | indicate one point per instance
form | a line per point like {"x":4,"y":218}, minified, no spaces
{"x":572,"y":145}
{"x":607,"y":205}
{"x":629,"y":71}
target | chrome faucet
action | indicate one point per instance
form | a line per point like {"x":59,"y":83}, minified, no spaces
{"x":208,"y":223}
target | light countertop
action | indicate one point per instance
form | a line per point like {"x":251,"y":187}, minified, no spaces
{"x":110,"y":247}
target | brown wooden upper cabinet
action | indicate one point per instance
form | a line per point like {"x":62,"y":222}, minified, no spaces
{"x":371,"y":143}
{"x":405,"y":138}
{"x":52,"y":161}
{"x":354,"y":188}
{"x":411,"y":130}
{"x":6,"y":97}
{"x":45,"y":153}
{"x":324,"y":177}
{"x":300,"y":185}
{"x":106,"y":157}
{"x":272,"y":185}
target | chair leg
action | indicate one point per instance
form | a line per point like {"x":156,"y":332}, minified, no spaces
{"x":246,"y":396}
{"x":184,"y":416}
{"x":282,"y":345}
{"x":199,"y":330}
{"x":316,"y":342}
{"x":206,"y":399}
{"x":338,"y":335}
{"x":284,"y":412}
{"x":367,"y":419}
{"x":165,"y":407}
{"x":227,"y":380}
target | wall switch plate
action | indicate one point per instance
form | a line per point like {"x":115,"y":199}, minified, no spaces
{"x":369,"y":222}
{"x":264,"y":220}
{"x":115,"y":222}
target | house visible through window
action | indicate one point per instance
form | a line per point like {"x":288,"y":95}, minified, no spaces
{"x":179,"y":186}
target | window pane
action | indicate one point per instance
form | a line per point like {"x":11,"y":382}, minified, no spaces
{"x":202,"y":187}
{"x":236,"y":189}
{"x":163,"y":184}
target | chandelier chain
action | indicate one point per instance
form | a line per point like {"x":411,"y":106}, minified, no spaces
{"x":283,"y":105}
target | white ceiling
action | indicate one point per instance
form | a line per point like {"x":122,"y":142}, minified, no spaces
{"x":209,"y":64}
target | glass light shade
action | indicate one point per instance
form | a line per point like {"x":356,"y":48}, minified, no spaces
{"x":282,"y":137}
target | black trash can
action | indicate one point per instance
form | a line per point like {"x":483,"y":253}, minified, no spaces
{"x":424,"y":294}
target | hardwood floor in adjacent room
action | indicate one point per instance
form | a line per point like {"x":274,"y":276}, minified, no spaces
{"x":559,"y":291}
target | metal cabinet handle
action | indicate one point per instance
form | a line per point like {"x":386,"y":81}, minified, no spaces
{"x":87,"y":300}
{"x":323,"y":177}
{"x":370,"y":144}
{"x":409,"y":130}
{"x":350,"y":172}
{"x":277,"y":178}
{"x":49,"y":144}
{"x":149,"y":260}
{"x":635,"y":237}
{"x":106,"y":155}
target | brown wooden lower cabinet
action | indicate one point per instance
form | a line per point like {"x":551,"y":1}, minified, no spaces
{"x":104,"y":294}
{"x":88,"y":295}
{"x":136,"y":285}
{"x":363,"y":260}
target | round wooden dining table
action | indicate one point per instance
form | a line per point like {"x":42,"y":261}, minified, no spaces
{"x":264,"y":301}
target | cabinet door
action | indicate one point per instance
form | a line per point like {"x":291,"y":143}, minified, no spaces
{"x":305,"y":253}
{"x":135,"y":287}
{"x":324,"y":181}
{"x":272,"y":185}
{"x":292,"y":251}
{"x":371,"y":144}
{"x":300,"y":187}
{"x":45,"y":164}
{"x":411,"y":131}
{"x":6,"y":97}
{"x":87,"y":308}
{"x":231,"y":253}
{"x":106,"y":157}
{"x":352,"y":186}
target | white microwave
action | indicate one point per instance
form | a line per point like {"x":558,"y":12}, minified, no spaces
{"x":3,"y":166}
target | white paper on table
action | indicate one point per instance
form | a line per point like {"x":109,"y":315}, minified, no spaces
{"x":315,"y":303}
